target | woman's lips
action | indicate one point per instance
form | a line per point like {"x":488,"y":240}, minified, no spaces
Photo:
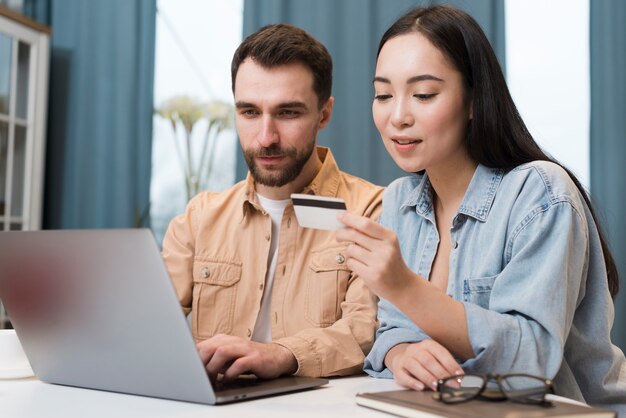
{"x":405,"y":143}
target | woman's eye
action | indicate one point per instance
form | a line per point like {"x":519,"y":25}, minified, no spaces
{"x":382,"y":97}
{"x":424,"y":97}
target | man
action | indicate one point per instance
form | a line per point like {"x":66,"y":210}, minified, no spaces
{"x":265,"y":295}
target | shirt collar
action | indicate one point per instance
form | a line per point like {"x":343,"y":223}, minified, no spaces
{"x":325,"y":183}
{"x":420,"y":197}
{"x":478,"y":198}
{"x":481,"y":192}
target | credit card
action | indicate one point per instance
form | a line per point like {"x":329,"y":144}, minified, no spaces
{"x":319,"y":212}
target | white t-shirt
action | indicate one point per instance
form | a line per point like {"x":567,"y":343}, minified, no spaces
{"x":275,"y":208}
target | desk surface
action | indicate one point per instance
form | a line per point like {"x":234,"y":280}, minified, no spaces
{"x":26,"y":398}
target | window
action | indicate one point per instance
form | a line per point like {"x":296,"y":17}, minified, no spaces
{"x":195,"y":42}
{"x":547,"y":54}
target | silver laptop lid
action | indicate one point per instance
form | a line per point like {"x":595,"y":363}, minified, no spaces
{"x":96,"y":309}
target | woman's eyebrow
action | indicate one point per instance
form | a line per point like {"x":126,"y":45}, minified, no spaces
{"x":414,"y":79}
{"x":422,"y":77}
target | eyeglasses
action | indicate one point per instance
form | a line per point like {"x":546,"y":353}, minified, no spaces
{"x":517,"y":387}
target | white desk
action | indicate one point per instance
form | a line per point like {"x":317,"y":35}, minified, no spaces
{"x":28,"y":398}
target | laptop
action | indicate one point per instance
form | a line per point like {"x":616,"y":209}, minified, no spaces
{"x":96,"y":309}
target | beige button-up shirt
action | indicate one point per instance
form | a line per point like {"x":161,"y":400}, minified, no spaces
{"x":217,"y":255}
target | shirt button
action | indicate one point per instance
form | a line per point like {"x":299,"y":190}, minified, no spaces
{"x":267,"y":237}
{"x":206,"y":273}
{"x":260,"y":286}
{"x":249,"y":333}
{"x":340,"y":259}
{"x":455,"y":245}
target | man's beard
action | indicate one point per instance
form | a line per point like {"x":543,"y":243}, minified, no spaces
{"x":282,"y":176}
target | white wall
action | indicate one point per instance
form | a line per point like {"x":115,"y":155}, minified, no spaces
{"x":547,"y":58}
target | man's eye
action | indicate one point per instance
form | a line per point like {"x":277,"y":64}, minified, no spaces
{"x":382,"y":97}
{"x":248,"y":112}
{"x":289,"y":113}
{"x":424,"y":97}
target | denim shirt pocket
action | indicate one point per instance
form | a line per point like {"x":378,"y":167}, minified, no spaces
{"x":326,"y":286}
{"x":214,"y":295}
{"x":478,"y":290}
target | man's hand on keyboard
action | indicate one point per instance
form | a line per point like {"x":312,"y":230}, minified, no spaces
{"x":233,"y":356}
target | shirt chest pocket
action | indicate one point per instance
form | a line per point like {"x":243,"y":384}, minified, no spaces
{"x":326,"y":286}
{"x":478,"y":290}
{"x":215,"y":286}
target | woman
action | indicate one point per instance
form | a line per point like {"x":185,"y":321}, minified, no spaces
{"x":489,"y":258}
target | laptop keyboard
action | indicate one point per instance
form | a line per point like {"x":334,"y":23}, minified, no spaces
{"x":242,"y":381}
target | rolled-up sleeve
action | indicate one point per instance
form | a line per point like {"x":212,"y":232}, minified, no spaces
{"x":533,"y":299}
{"x":178,"y":252}
{"x":339,"y":349}
{"x":395,"y":328}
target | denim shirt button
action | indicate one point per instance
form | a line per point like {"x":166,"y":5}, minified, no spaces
{"x":455,"y":245}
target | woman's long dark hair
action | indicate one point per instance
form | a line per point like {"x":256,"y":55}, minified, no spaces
{"x":497,"y":136}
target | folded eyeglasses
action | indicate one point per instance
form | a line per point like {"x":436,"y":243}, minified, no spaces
{"x":517,"y":387}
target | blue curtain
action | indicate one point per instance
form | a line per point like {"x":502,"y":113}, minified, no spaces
{"x":608,"y":135}
{"x":100,"y":111}
{"x":351,"y":29}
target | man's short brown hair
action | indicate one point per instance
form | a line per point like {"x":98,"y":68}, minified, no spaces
{"x":283,"y":44}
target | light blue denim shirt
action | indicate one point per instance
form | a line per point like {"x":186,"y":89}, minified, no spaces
{"x":527,"y":264}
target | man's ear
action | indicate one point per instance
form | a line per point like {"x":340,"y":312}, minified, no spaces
{"x":326,"y":113}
